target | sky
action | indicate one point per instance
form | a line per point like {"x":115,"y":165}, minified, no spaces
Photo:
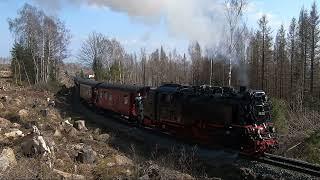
{"x":120,"y":22}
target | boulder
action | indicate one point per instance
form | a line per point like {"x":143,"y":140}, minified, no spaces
{"x":23,"y":113}
{"x":123,"y":160}
{"x":102,"y":137}
{"x":1,"y":105}
{"x":34,"y":144}
{"x":4,"y":123}
{"x":86,"y":155}
{"x":80,"y":125}
{"x":67,"y":176}
{"x":14,"y":133}
{"x":7,"y":158}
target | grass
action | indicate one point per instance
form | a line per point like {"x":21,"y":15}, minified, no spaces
{"x":312,"y":149}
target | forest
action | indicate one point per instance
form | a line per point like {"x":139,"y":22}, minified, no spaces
{"x":285,"y":66}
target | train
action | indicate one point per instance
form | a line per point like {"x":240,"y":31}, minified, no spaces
{"x":215,"y":116}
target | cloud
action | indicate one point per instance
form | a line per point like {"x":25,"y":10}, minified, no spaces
{"x":201,"y":20}
{"x":255,"y":11}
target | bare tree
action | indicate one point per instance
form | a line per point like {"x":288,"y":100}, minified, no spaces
{"x":45,"y":37}
{"x":92,"y":52}
{"x":234,"y":12}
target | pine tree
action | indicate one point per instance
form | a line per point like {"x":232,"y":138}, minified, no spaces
{"x":314,"y":40}
{"x":280,"y":57}
{"x":292,"y":50}
{"x":266,"y":52}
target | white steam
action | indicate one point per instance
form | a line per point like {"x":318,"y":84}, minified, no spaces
{"x":201,"y":20}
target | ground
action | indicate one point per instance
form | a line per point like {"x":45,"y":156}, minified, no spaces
{"x":105,"y":148}
{"x":75,"y":152}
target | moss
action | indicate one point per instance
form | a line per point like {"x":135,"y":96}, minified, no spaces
{"x":279,"y":110}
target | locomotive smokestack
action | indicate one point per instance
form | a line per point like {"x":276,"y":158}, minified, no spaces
{"x":243,"y":89}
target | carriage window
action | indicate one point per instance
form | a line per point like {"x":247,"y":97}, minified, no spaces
{"x":105,"y":95}
{"x":126,"y":99}
{"x":100,"y":95}
{"x":110,"y":97}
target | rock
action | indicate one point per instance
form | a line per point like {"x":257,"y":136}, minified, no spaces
{"x":7,"y":158}
{"x":97,"y":131}
{"x":78,"y":147}
{"x":102,"y":137}
{"x":34,"y":144}
{"x":57,"y":133}
{"x":71,"y":131}
{"x":67,"y":176}
{"x":14,"y":133}
{"x":247,"y":174}
{"x":122,"y":160}
{"x":4,"y":123}
{"x":90,"y":137}
{"x":5,"y":98}
{"x":23,"y":113}
{"x":1,"y":105}
{"x":80,"y":125}
{"x":68,"y":119}
{"x":16,"y":125}
{"x":66,"y":123}
{"x":144,"y":177}
{"x":101,"y":156}
{"x":16,"y":102}
{"x":86,"y":155}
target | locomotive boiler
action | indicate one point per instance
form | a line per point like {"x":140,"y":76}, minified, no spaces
{"x":214,"y":115}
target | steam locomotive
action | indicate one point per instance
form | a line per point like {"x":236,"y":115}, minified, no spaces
{"x":217,"y":116}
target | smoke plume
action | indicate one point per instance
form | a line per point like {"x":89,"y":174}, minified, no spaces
{"x":201,"y":20}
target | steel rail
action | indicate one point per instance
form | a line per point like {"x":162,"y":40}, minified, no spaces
{"x":291,"y":164}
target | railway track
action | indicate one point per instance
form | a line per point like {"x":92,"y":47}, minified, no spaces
{"x":291,"y":164}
